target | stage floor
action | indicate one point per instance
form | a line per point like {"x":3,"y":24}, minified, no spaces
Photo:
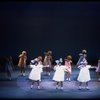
{"x":19,"y":87}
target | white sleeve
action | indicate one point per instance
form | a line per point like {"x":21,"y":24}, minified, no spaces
{"x":88,"y":66}
{"x":41,"y":66}
{"x":41,"y":69}
{"x":31,"y":66}
{"x":54,"y":67}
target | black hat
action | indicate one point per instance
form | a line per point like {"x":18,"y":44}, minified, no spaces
{"x":34,"y":61}
{"x":59,"y":61}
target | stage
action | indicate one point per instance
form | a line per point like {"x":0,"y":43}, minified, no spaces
{"x":19,"y":86}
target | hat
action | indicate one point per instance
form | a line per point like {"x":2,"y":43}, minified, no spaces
{"x":23,"y":52}
{"x":69,"y":57}
{"x":34,"y":61}
{"x":84,"y":51}
{"x":57,"y":61}
{"x":60,"y":60}
{"x":49,"y":52}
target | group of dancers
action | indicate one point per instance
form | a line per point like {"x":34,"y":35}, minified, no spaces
{"x":38,"y":64}
{"x":37,"y":68}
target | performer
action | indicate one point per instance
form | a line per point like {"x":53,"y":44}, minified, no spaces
{"x":59,"y":73}
{"x":35,"y":74}
{"x":40,"y":60}
{"x":84,"y":74}
{"x":98,"y":69}
{"x":9,"y":67}
{"x":22,"y":62}
{"x":68,"y":63}
{"x":48,"y":61}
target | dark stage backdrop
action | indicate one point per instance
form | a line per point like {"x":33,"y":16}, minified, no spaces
{"x":63,"y":27}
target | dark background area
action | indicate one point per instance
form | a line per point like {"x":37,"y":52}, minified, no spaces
{"x":63,"y":27}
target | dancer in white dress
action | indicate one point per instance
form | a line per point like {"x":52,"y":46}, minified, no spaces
{"x":84,"y":74}
{"x":35,"y":74}
{"x":59,"y":73}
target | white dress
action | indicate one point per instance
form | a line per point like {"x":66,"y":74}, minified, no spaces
{"x":36,"y":71}
{"x":59,"y":73}
{"x":84,"y":74}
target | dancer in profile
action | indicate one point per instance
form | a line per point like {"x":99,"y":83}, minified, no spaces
{"x":48,"y":61}
{"x":98,"y":69}
{"x":68,"y":62}
{"x":22,"y":62}
{"x":84,"y":74}
{"x":35,"y":74}
{"x":59,"y":73}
